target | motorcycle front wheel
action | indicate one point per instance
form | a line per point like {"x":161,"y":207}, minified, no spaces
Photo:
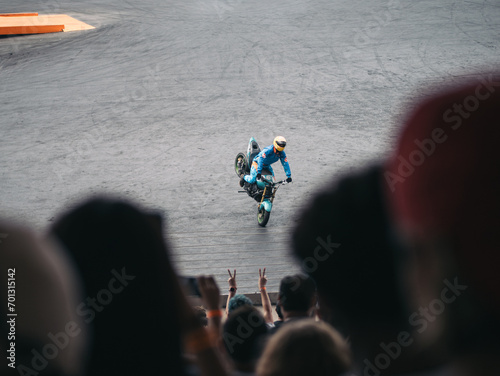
{"x":263,"y":217}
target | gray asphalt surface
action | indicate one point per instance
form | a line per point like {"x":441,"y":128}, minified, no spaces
{"x":155,"y":103}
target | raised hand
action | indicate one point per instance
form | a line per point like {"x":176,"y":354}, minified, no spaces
{"x":264,"y":296}
{"x":232,"y":279}
{"x":262,"y":278}
{"x":209,"y":292}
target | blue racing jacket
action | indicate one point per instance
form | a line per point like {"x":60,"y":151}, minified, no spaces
{"x":270,"y":155}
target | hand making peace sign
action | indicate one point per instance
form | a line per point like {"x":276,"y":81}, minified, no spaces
{"x":232,"y":279}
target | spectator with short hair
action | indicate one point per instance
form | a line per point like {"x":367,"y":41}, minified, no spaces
{"x":237,"y":301}
{"x":296,"y":297}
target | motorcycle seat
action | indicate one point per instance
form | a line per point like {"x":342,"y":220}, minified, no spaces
{"x":255,"y":150}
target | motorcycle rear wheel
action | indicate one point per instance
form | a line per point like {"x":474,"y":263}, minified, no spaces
{"x":241,"y":164}
{"x":263,"y":217}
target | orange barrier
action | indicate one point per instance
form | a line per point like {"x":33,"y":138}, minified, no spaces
{"x":39,"y":29}
{"x":70,"y":23}
{"x":38,"y":24}
{"x":18,"y":14}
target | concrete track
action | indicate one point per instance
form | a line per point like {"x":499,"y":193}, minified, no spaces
{"x":156,"y":102}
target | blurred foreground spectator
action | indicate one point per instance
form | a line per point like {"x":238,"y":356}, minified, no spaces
{"x":243,"y":336}
{"x":443,"y":183}
{"x":344,"y":240}
{"x":135,"y":307}
{"x":44,"y":335}
{"x":201,"y":313}
{"x":305,"y":347}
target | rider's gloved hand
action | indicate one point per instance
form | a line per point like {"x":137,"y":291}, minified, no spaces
{"x":259,"y":175}
{"x":289,"y":180}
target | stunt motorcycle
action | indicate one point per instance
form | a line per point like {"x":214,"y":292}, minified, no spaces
{"x":264,"y":190}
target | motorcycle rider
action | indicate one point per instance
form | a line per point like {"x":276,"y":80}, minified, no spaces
{"x":265,"y":158}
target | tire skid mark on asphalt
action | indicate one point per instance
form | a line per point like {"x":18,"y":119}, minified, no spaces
{"x":481,"y":23}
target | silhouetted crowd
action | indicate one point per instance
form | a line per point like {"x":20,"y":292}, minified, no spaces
{"x":400,"y":273}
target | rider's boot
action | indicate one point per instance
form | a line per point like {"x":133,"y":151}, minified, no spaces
{"x":242,"y":181}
